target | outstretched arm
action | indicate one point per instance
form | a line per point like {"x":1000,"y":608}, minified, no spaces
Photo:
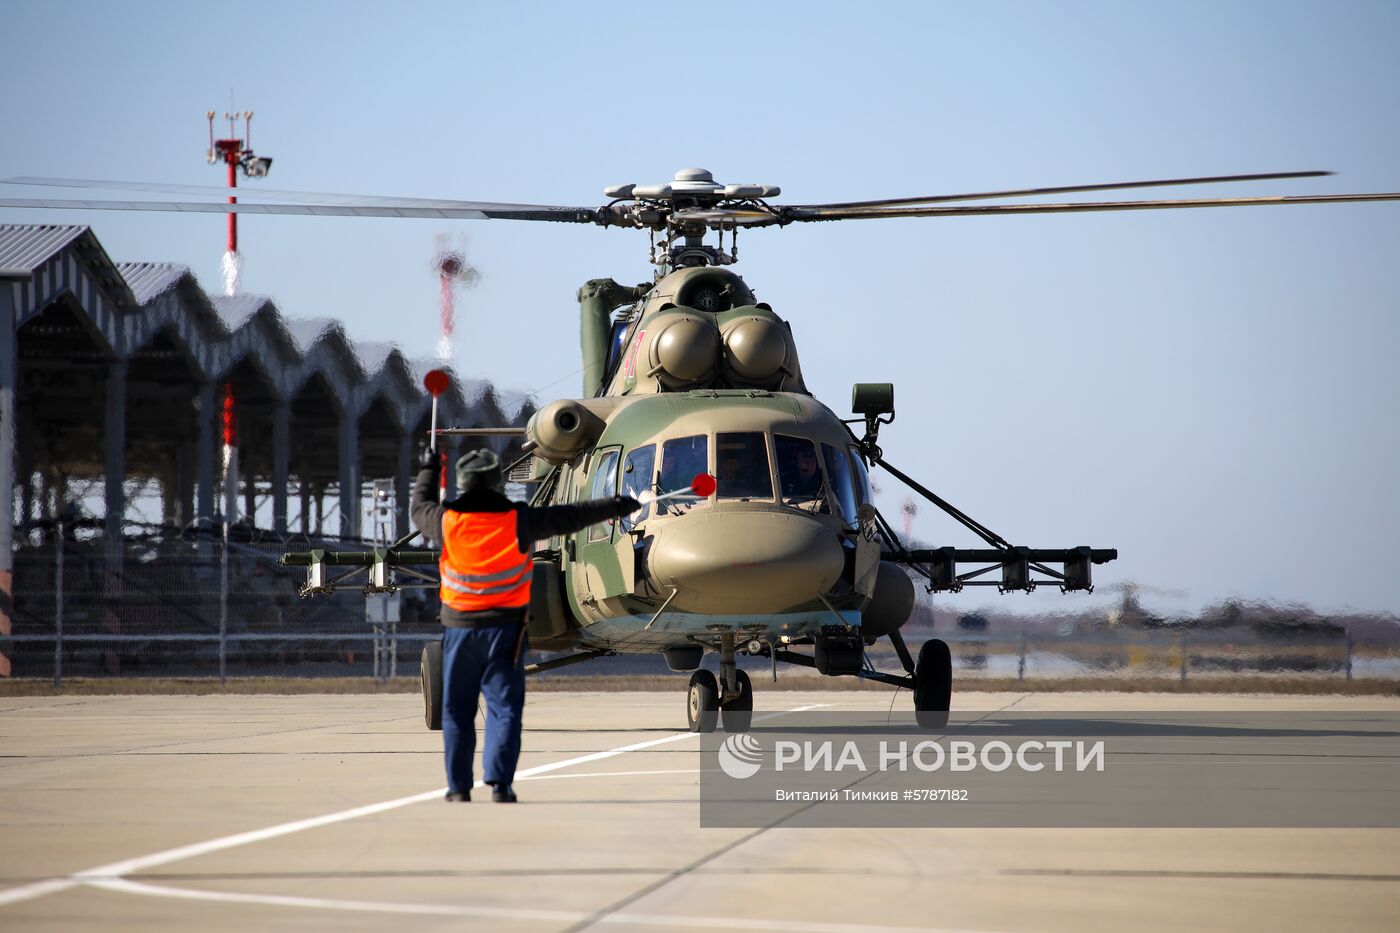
{"x":536,"y":524}
{"x":424,"y":509}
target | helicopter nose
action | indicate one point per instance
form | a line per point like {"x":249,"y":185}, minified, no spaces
{"x":738,"y":562}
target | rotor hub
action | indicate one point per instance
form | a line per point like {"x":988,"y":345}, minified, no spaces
{"x":687,"y":207}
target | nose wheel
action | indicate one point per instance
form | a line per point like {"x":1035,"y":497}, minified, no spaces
{"x":736,"y":714}
{"x":702,"y":708}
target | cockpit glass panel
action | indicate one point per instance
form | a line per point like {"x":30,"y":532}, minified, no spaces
{"x":638,"y":476}
{"x":681,"y":459}
{"x":616,"y":342}
{"x":839,"y":469}
{"x":741,"y":466}
{"x":800,"y":473}
{"x":604,"y":486}
{"x":862,"y":478}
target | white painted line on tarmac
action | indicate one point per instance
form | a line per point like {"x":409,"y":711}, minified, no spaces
{"x":127,"y":886}
{"x":593,"y":774}
{"x":115,"y":870}
{"x":36,"y":889}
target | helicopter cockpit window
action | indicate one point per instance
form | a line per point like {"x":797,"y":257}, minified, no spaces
{"x":681,"y":459}
{"x":862,"y":478}
{"x":800,"y":473}
{"x":604,"y":486}
{"x":741,"y":465}
{"x":839,"y":469}
{"x":638,"y":475}
{"x":616,"y":342}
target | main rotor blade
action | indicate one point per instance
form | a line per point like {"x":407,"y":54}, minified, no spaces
{"x":258,"y":191}
{"x":727,"y":216}
{"x":1069,"y":189}
{"x":814,"y":214}
{"x":568,"y":215}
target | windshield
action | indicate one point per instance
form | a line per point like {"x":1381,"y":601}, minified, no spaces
{"x":839,"y":469}
{"x":862,"y":478}
{"x":799,"y":473}
{"x":604,"y":486}
{"x":741,"y":462}
{"x":638,"y":475}
{"x":681,"y":459}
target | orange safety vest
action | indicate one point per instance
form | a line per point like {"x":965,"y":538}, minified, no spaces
{"x":482,"y":566}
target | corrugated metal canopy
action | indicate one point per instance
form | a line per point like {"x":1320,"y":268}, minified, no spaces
{"x":149,"y":279}
{"x":25,"y":247}
{"x":234,"y":310}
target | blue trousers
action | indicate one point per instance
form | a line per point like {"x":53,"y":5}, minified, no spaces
{"x":476,"y":661}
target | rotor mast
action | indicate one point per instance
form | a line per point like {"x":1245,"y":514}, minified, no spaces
{"x":683,"y":210}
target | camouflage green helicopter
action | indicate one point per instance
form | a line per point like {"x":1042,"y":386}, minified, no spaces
{"x":760,"y":534}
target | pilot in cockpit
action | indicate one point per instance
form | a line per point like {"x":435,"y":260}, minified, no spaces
{"x":807,"y":482}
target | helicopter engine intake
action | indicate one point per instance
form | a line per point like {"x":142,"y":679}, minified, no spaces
{"x":685,"y":350}
{"x":756,"y":351}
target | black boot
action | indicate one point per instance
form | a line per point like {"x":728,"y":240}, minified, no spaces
{"x":459,"y":796}
{"x":502,"y":793}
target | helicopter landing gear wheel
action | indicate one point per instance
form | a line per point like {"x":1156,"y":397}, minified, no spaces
{"x":933,"y":684}
{"x":737,"y":714}
{"x":430,"y":681}
{"x":702,"y":710}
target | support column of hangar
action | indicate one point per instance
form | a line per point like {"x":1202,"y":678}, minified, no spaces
{"x":204,"y":465}
{"x":348,"y":477}
{"x":403,"y":479}
{"x":114,"y":473}
{"x":9,"y":386}
{"x":281,"y":460}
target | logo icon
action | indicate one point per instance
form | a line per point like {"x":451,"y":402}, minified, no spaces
{"x":740,"y":756}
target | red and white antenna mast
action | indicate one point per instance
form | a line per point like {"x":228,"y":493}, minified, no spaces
{"x":453,"y":273}
{"x":235,"y":153}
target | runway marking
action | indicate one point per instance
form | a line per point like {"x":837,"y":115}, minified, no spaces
{"x":116,"y":870}
{"x":127,"y":886}
{"x":1205,"y":874}
{"x":37,"y":889}
{"x":620,"y":906}
{"x":589,"y":774}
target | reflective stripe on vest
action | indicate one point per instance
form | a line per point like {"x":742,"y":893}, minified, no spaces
{"x":482,"y":566}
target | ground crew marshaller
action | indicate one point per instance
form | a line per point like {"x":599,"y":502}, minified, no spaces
{"x":486,"y":571}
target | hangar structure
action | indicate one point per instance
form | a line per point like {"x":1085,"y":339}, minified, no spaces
{"x":114,"y":378}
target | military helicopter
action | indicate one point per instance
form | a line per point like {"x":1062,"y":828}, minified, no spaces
{"x":759,"y":534}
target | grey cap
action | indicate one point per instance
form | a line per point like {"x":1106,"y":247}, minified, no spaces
{"x":478,"y":469}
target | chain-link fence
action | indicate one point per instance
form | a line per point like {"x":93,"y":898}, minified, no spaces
{"x":172,"y":604}
{"x":167,"y":603}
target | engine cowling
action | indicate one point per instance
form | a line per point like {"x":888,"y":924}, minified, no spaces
{"x":683,"y":348}
{"x":758,"y":349}
{"x":562,"y":430}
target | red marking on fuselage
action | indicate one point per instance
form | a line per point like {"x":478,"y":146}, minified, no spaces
{"x":630,"y":370}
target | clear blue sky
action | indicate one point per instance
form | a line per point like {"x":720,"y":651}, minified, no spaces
{"x":1213,"y":392}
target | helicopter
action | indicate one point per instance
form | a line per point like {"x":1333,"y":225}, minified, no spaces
{"x":759,"y":533}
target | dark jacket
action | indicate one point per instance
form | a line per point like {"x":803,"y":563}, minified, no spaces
{"x":532,"y":525}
